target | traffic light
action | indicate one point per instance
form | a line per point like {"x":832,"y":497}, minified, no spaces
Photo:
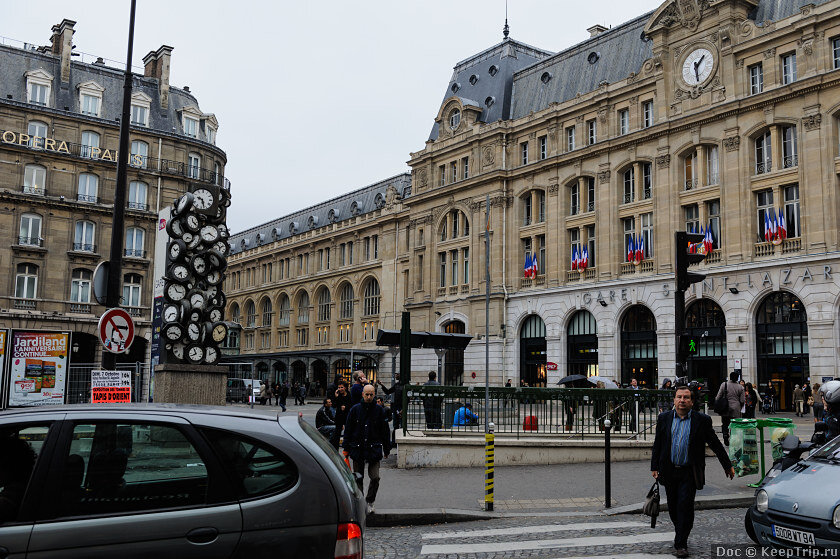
{"x":684,"y":259}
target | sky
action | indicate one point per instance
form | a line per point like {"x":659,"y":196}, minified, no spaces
{"x":313,"y":98}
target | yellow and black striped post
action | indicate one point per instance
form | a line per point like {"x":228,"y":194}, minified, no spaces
{"x":489,"y":462}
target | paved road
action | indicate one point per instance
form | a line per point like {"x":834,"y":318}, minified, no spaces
{"x":557,"y":536}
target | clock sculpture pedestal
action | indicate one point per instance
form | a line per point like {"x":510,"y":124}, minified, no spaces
{"x":190,"y":384}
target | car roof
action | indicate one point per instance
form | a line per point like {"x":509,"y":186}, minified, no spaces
{"x":155,"y":408}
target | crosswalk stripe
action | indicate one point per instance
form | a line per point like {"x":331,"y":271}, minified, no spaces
{"x":499,"y":547}
{"x":461,"y":534}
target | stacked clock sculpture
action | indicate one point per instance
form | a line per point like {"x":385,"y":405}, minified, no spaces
{"x":196,"y":257}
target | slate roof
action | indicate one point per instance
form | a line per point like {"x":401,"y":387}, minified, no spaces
{"x":357,"y":202}
{"x":774,"y":10}
{"x":16,"y":62}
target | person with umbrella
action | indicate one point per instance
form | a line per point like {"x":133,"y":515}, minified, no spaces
{"x":570,"y":403}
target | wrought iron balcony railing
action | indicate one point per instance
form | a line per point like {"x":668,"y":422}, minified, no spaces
{"x":31,"y":241}
{"x":138,"y":206}
{"x":135,"y":253}
{"x":84,"y":247}
{"x":790,"y":161}
{"x":35,"y":190}
{"x":91,"y":199}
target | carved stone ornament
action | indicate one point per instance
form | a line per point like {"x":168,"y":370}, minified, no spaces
{"x":553,"y":189}
{"x":579,"y":119}
{"x":769,"y":53}
{"x":812,"y":122}
{"x":807,"y":45}
{"x":488,"y":155}
{"x":806,"y":9}
{"x":476,"y":206}
{"x":422,"y":178}
{"x":732,"y":143}
{"x":653,"y":64}
{"x":663,"y":161}
{"x":603,"y":112}
{"x":739,"y":63}
{"x":687,"y":13}
{"x":632,"y":77}
{"x":634,"y":100}
{"x":391,"y":196}
{"x":603,"y":177}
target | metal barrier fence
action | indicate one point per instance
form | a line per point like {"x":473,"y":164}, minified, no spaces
{"x":574,"y":412}
{"x":78,"y":381}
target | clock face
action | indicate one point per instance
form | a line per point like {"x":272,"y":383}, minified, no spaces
{"x":176,"y":291}
{"x":199,"y":264}
{"x":214,"y":278}
{"x":188,"y":237}
{"x":175,"y":228}
{"x":211,"y":355}
{"x":197,"y":300}
{"x":192,"y":222}
{"x":698,"y":66}
{"x":209,"y":234}
{"x":171,"y":313}
{"x":194,"y":331}
{"x":203,"y":199}
{"x":194,"y":315}
{"x":194,"y":242}
{"x":219,"y":333}
{"x":221,"y":247}
{"x":195,"y":353}
{"x":216,"y":315}
{"x":172,"y":331}
{"x":178,"y":350}
{"x":179,"y":272}
{"x":176,"y":249}
{"x":184,"y":203}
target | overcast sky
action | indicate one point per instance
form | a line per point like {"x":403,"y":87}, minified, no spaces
{"x":314,"y":98}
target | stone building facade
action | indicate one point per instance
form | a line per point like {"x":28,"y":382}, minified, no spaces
{"x":714,"y":114}
{"x":59,"y":134}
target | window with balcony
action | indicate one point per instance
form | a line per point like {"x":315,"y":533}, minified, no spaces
{"x":193,"y":165}
{"x":372,"y":298}
{"x":34,"y":179}
{"x":88,"y":188}
{"x":37,"y":132}
{"x":26,"y":281}
{"x":764,"y":205}
{"x":592,"y":131}
{"x":90,"y":145}
{"x":793,"y":224}
{"x":789,"y":151}
{"x":756,"y":72}
{"x":80,"y":286}
{"x":132,"y":286}
{"x":134,"y":242}
{"x":788,"y":68}
{"x":139,"y":154}
{"x":713,"y":211}
{"x":574,"y":245}
{"x":324,"y":305}
{"x":543,"y":143}
{"x":29,"y":233}
{"x":623,"y":121}
{"x":628,"y":225}
{"x":647,"y":113}
{"x":763,"y":154}
{"x":570,"y":138}
{"x":629,"y":185}
{"x":346,"y":302}
{"x":137,"y":191}
{"x":83,"y":237}
{"x":647,"y":234}
{"x":283,"y":310}
{"x":574,"y":199}
{"x":303,"y":308}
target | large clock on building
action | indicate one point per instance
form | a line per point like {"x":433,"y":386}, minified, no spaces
{"x":698,"y":66}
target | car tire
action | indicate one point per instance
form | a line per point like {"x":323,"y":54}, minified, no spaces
{"x":748,"y":526}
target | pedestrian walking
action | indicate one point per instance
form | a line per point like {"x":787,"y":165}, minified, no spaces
{"x":634,"y":385}
{"x":396,"y":405}
{"x":798,"y":400}
{"x":275,"y":391}
{"x":325,"y":419}
{"x":818,"y":403}
{"x":750,"y":401}
{"x":341,"y":403}
{"x":734,"y":394}
{"x":431,"y":404}
{"x":809,"y":398}
{"x":284,"y":394}
{"x":302,"y":394}
{"x":265,"y":393}
{"x":367,"y":439}
{"x":678,"y":460}
{"x":356,"y":389}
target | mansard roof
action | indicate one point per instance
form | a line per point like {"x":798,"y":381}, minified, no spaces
{"x":357,"y":202}
{"x":774,"y":10}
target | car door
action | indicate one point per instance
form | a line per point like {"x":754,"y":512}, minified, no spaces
{"x":24,"y":448}
{"x":132,"y":486}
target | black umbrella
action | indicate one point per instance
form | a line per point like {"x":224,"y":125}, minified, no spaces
{"x":571,"y":379}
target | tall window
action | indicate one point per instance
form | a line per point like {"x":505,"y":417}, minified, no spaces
{"x":590,"y":239}
{"x":420,"y":272}
{"x":763,"y":154}
{"x":792,"y":220}
{"x":590,"y":194}
{"x":137,"y":195}
{"x":442,"y":174}
{"x":713,"y":211}
{"x":132,"y":284}
{"x":465,"y":254}
{"x":26,"y":281}
{"x":789,"y":157}
{"x":764,"y":203}
{"x":139,"y":154}
{"x":647,"y":174}
{"x":690,"y":170}
{"x":139,"y":115}
{"x":30,"y":230}
{"x":324,"y":305}
{"x":527,"y":211}
{"x":574,"y":244}
{"x":34,"y":179}
{"x":284,"y":310}
{"x":190,"y":127}
{"x":90,"y":144}
{"x":250,"y":314}
{"x":267,"y":312}
{"x":37,"y":131}
{"x":193,"y":165}
{"x":540,"y":248}
{"x":235,"y":315}
{"x":523,"y":149}
{"x":629,"y":185}
{"x":647,"y":234}
{"x":539,"y":195}
{"x":346,"y":302}
{"x":80,"y":286}
{"x":442,"y":264}
{"x":453,"y":267}
{"x":134,"y":237}
{"x":83,"y":237}
{"x":629,"y":227}
{"x":623,"y":121}
{"x":303,"y":308}
{"x":835,"y":53}
{"x":592,"y":131}
{"x":88,"y":188}
{"x":350,"y":253}
{"x":789,"y":68}
{"x":89,"y":104}
{"x":712,"y":166}
{"x":453,"y":171}
{"x":465,"y":165}
{"x":543,"y":147}
{"x":692,"y":218}
{"x":570,"y":138}
{"x":647,"y":113}
{"x":756,"y":79}
{"x":574,"y":199}
{"x":38,"y":94}
{"x":371,"y":298}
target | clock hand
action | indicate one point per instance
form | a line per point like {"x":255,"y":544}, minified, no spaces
{"x":697,"y":67}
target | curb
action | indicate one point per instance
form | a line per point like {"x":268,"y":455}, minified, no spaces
{"x":420,"y":517}
{"x":702,"y":502}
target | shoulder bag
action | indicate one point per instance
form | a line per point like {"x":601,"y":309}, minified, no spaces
{"x":721,"y":406}
{"x":651,"y":507}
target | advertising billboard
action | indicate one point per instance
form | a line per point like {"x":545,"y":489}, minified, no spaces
{"x":37,"y":367}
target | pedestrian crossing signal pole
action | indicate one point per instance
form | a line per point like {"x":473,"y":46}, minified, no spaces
{"x":489,"y":463}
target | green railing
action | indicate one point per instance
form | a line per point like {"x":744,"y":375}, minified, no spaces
{"x":570,"y":412}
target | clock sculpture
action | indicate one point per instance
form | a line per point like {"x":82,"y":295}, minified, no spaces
{"x":196,"y":257}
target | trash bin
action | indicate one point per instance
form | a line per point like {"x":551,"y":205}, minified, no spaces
{"x":743,"y":449}
{"x":780,"y":427}
{"x":449,"y":410}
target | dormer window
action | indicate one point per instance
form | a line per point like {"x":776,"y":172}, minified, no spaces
{"x":454,"y":119}
{"x":38,"y":86}
{"x":90,"y":98}
{"x":211,"y":135}
{"x":190,"y":127}
{"x":140,"y":106}
{"x":190,"y":118}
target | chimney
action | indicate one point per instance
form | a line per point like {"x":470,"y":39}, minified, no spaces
{"x":596,"y":30}
{"x":157,"y":66}
{"x":62,"y":45}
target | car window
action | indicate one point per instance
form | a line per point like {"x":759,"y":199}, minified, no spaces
{"x":257,"y":468}
{"x":131,"y":467}
{"x":20,"y":447}
{"x":322,"y":443}
{"x":830,"y":450}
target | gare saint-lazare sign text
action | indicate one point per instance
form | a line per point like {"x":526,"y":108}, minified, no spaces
{"x":61,"y":146}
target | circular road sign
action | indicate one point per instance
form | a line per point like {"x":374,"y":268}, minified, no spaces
{"x":116,"y":330}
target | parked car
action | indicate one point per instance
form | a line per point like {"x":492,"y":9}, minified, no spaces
{"x":172,"y":480}
{"x":800,"y":506}
{"x":238,"y":390}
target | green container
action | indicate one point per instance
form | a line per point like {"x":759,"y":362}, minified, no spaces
{"x":780,"y":428}
{"x":743,"y":448}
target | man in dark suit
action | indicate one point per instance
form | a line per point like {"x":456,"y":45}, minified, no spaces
{"x":678,"y":461}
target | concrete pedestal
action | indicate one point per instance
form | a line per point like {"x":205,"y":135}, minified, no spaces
{"x":190,"y":384}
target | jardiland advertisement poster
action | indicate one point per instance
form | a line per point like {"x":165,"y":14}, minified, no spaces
{"x":38,"y":368}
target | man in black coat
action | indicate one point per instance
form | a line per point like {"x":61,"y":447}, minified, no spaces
{"x":341,"y":403}
{"x":367,"y":439}
{"x":678,"y":461}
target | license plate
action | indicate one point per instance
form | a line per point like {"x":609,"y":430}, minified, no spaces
{"x":795,"y":536}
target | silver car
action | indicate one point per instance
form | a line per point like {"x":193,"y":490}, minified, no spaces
{"x":800,"y":507}
{"x":172,"y":481}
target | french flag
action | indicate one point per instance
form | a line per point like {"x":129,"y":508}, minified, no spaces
{"x":527,"y":265}
{"x":774,"y":228}
{"x":630,"y":250}
{"x":584,"y":259}
{"x":640,"y":250}
{"x":709,"y":240}
{"x":535,"y":266}
{"x":782,"y":226}
{"x":575,"y":259}
{"x":767,"y":233}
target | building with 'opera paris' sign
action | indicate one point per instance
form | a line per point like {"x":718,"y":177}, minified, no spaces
{"x":720,"y":115}
{"x":59,"y":134}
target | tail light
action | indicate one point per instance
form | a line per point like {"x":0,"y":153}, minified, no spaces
{"x":348,"y":542}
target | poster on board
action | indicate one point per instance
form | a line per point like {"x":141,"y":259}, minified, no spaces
{"x":109,"y":387}
{"x":38,"y":368}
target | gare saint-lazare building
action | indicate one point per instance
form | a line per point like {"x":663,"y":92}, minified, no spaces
{"x":718,"y":116}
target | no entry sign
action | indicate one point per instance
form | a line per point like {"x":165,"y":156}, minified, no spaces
{"x":116,"y":330}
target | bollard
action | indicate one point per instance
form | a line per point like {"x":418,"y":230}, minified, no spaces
{"x":607,"y":480}
{"x":489,"y":461}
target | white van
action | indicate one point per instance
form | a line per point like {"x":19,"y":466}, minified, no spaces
{"x":237,"y":390}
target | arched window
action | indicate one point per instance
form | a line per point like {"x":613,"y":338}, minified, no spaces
{"x":582,"y":344}
{"x":139,"y":154}
{"x":29,"y":233}
{"x":284,"y":310}
{"x":134,"y":242}
{"x":80,"y":286}
{"x":783,"y":349}
{"x":346,"y":301}
{"x":324,"y":302}
{"x":267,"y":312}
{"x":532,"y":352}
{"x":137,"y":195}
{"x":454,"y":225}
{"x":371,"y":301}
{"x":26,"y":281}
{"x":83,"y":238}
{"x":303,"y":309}
{"x":132,"y":285}
{"x":453,"y":360}
{"x":34,"y":179}
{"x":250,"y":314}
{"x":705,"y":326}
{"x":235,"y":313}
{"x":88,"y":188}
{"x":90,"y":145}
{"x":639,"y":356}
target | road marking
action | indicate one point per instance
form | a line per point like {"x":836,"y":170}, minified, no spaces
{"x":534,"y":529}
{"x":499,"y":547}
